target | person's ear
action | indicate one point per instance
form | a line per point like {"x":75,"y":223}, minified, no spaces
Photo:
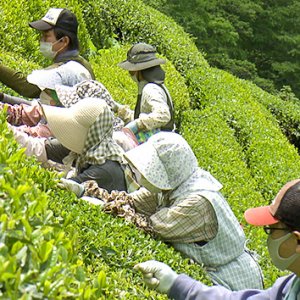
{"x":66,"y":41}
{"x":297,"y":234}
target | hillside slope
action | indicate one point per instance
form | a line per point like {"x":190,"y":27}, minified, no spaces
{"x":235,"y":129}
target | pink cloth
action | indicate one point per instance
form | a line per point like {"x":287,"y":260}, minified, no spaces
{"x":24,"y":114}
{"x":40,"y":130}
{"x":27,"y":118}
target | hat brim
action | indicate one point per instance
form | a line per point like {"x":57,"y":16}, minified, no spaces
{"x":144,"y":157}
{"x":45,"y":78}
{"x":126,"y":65}
{"x":70,"y":134}
{"x":41,"y":25}
{"x":260,"y":216}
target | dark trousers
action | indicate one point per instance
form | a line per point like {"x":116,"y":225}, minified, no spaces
{"x":109,"y":175}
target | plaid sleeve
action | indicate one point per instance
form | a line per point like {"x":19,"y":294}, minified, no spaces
{"x":144,"y":201}
{"x":192,"y":219}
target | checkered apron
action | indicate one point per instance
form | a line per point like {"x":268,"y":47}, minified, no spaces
{"x":225,"y":258}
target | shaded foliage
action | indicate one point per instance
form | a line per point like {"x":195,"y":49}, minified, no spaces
{"x":228,"y":123}
{"x":255,"y":40}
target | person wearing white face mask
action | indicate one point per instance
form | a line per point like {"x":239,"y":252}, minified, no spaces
{"x":281,"y":221}
{"x":154,"y":109}
{"x":46,"y":48}
{"x":59,"y":42}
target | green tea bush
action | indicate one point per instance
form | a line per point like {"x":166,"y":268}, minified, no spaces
{"x":37,"y":259}
{"x":286,"y":112}
{"x":231,"y":131}
{"x":217,"y":150}
{"x":271,"y":159}
{"x":131,"y":21}
{"x":55,"y":246}
{"x":15,"y":35}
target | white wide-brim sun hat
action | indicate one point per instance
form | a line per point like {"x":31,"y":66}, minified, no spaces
{"x":146,"y":160}
{"x":165,"y":160}
{"x":66,"y":74}
{"x":71,"y":125}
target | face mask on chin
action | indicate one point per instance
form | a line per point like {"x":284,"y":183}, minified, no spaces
{"x":281,"y":263}
{"x":46,"y":49}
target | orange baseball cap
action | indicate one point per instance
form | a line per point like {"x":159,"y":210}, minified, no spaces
{"x":285,"y":208}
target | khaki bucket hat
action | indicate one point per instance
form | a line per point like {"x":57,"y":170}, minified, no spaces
{"x":141,"y":56}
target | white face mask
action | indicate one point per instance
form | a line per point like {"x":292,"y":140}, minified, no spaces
{"x":46,"y":49}
{"x":281,"y":263}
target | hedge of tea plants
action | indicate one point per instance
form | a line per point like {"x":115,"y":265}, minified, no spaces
{"x":55,"y":246}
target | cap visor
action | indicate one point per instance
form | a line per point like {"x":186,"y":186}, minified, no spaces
{"x":145,"y":159}
{"x":41,"y":25}
{"x":259,"y":216}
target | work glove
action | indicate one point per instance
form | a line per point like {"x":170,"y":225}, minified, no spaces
{"x":157,"y":275}
{"x":72,"y":186}
{"x":132,"y":126}
{"x":93,"y":200}
{"x":115,"y":105}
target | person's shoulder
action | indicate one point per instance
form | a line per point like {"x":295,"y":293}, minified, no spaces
{"x":150,"y":88}
{"x":63,"y":64}
{"x":71,"y":63}
{"x":73,"y":66}
{"x":152,"y":85}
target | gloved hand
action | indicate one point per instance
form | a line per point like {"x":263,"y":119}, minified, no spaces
{"x":115,"y":105}
{"x":93,"y":200}
{"x":157,"y":275}
{"x":72,"y":186}
{"x":132,"y":126}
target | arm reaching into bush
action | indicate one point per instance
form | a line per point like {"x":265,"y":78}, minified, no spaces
{"x":157,"y":275}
